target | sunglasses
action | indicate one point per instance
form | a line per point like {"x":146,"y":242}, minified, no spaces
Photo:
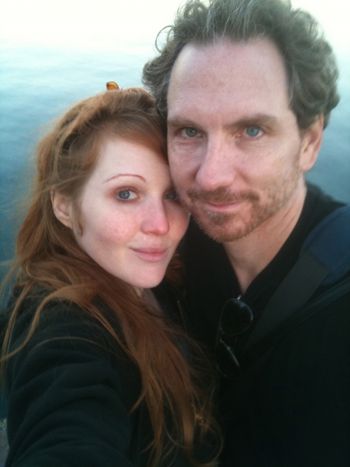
{"x":236,"y":318}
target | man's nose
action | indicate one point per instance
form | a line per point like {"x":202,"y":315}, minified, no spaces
{"x":155,"y":218}
{"x":217,"y":165}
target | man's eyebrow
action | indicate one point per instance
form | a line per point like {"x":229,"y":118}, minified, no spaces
{"x":259,"y":118}
{"x":178,"y":122}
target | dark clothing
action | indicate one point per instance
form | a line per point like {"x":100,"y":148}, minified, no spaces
{"x":70,"y":395}
{"x":290,"y":406}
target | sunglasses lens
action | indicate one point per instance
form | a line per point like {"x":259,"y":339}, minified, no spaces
{"x":227,"y":363}
{"x":236,"y":317}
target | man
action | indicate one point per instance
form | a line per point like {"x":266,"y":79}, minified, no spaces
{"x":247,"y":87}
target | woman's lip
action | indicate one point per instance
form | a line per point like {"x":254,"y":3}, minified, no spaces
{"x":151,"y":254}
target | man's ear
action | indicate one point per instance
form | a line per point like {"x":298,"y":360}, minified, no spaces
{"x":62,"y":208}
{"x":311,"y":143}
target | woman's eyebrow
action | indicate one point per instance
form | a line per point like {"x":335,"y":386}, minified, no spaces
{"x":113,"y":177}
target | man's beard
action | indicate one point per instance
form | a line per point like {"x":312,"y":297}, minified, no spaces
{"x":228,"y":227}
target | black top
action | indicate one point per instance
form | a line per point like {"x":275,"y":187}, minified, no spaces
{"x":70,"y":394}
{"x":210,"y":279}
{"x":292,"y":407}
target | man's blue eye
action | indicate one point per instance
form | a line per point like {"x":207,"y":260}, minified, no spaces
{"x":253,"y":131}
{"x":190,"y":132}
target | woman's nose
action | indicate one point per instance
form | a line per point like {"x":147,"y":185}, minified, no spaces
{"x":155,"y":219}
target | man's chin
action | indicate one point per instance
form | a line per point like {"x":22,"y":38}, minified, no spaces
{"x":221,"y":232}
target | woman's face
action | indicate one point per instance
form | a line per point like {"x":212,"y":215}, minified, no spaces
{"x":131,"y":221}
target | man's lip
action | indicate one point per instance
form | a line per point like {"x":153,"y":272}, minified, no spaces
{"x":222,"y":206}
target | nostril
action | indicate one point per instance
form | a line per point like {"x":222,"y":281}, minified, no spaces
{"x":213,"y":177}
{"x":156,"y":222}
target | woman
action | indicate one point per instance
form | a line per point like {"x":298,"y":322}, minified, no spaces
{"x":97,"y":375}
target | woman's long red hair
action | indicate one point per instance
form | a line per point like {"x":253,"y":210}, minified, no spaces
{"x":48,"y":256}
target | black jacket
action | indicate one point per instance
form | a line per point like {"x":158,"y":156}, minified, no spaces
{"x":290,"y":404}
{"x":70,"y":394}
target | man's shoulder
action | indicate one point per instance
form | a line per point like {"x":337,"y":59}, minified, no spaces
{"x":329,"y":244}
{"x":319,"y":279}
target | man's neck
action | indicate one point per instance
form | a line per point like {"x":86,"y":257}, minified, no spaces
{"x":251,"y":254}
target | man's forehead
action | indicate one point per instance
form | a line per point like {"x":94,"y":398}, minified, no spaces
{"x":227,"y":77}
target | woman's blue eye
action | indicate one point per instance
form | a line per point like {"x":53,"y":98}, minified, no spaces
{"x":126,"y":195}
{"x":172,"y":196}
{"x":253,"y":131}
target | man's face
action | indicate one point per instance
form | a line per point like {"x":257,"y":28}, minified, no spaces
{"x":236,"y":153}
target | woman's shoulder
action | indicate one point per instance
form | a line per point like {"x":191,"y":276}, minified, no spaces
{"x":62,"y":334}
{"x":60,"y":319}
{"x":72,"y":386}
{"x":53,"y":310}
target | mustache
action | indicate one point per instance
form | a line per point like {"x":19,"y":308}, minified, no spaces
{"x":221,"y":195}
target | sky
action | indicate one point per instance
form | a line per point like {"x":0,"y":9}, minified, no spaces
{"x":101,"y":24}
{"x":118,"y":25}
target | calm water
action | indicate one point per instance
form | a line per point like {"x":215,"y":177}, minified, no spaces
{"x":37,"y":85}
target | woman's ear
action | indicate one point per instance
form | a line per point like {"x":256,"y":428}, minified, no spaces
{"x":62,"y":208}
{"x":311,"y":144}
